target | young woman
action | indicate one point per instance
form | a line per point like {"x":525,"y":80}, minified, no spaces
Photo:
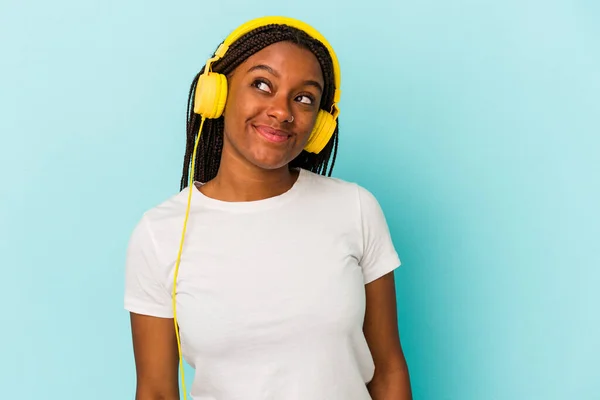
{"x":272,"y":279}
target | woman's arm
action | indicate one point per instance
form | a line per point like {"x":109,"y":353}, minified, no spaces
{"x":391,"y":380}
{"x":156,"y":358}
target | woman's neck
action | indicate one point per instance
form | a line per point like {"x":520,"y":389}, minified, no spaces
{"x":237,"y":181}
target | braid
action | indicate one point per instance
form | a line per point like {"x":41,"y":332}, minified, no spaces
{"x":211,"y":141}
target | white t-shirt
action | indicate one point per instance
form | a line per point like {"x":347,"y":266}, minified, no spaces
{"x":270,"y":293}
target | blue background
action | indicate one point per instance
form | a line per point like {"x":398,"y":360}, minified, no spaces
{"x":474,"y":122}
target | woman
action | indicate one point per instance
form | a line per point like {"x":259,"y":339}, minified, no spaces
{"x":281,"y":284}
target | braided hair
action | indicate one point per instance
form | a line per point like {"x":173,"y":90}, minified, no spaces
{"x":210,"y":147}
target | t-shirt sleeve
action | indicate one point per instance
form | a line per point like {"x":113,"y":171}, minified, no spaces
{"x":145,"y":291}
{"x":379,"y":255}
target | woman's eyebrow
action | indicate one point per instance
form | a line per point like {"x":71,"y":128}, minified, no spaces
{"x":273,"y":72}
{"x":264,"y":68}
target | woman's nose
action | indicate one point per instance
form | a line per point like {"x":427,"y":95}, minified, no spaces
{"x":280,"y":109}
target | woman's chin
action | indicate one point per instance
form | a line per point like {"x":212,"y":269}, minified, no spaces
{"x":270,"y":159}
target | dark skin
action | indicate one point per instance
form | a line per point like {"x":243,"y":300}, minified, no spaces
{"x":391,"y":380}
{"x":276,"y":83}
{"x":284,"y":81}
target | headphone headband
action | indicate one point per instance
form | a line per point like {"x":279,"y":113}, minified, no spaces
{"x":294,"y":23}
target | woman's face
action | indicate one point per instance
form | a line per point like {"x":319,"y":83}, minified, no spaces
{"x":280,"y":82}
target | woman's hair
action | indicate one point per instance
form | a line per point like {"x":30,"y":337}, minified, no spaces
{"x":210,"y":147}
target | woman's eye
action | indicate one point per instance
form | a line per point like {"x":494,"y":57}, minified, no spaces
{"x":305,"y":99}
{"x":260,"y":85}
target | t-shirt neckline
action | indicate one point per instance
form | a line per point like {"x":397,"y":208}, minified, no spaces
{"x":248,"y":206}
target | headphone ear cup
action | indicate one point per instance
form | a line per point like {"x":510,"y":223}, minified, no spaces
{"x":321,"y":133}
{"x":211,"y":95}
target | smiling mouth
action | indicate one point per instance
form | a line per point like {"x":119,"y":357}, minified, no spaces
{"x":272,"y":135}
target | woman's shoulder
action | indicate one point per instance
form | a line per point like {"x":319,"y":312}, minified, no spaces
{"x":167,"y":211}
{"x":344,"y":195}
{"x":169,"y":206}
{"x":324,"y":185}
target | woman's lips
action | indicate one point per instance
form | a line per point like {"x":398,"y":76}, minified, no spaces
{"x":271,"y":134}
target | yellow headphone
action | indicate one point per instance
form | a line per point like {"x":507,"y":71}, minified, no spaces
{"x":211,"y":91}
{"x":209,"y":103}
